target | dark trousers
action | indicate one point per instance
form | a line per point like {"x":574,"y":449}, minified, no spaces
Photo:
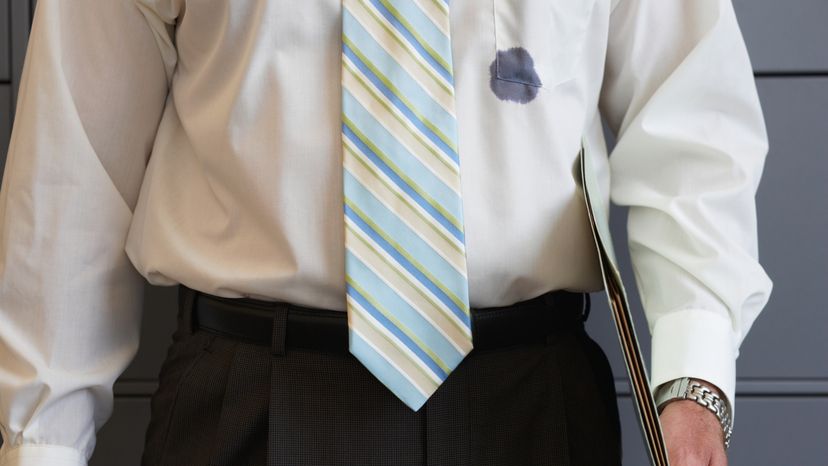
{"x":223,"y":401}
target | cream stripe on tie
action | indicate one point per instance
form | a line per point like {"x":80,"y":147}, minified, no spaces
{"x":405,"y":257}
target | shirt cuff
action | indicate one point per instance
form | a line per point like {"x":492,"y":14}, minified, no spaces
{"x":41,"y":455}
{"x":695,"y":343}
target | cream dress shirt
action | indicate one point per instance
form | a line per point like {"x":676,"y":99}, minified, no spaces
{"x":198,"y":142}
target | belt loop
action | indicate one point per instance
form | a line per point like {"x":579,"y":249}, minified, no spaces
{"x":549,"y":298}
{"x":186,"y":308}
{"x":277,"y":345}
{"x":587,"y":306}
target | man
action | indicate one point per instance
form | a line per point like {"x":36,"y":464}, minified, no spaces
{"x":272,"y":158}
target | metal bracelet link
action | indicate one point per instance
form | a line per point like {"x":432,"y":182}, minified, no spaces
{"x":705,"y":397}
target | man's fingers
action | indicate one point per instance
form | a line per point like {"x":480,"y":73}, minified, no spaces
{"x":719,"y":458}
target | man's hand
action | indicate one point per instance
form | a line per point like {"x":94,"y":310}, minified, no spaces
{"x":693,"y":435}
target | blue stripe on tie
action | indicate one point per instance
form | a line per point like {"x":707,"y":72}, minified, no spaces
{"x":387,"y":324}
{"x":391,"y":247}
{"x":395,"y":73}
{"x":360,"y":39}
{"x":405,"y":263}
{"x":408,"y":238}
{"x":425,"y":27}
{"x":401,"y":106}
{"x":400,"y":156}
{"x":385,"y":62}
{"x":385,"y":372}
{"x":375,"y":286}
{"x":378,"y":162}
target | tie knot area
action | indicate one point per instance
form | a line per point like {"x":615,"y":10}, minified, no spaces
{"x":283,"y":325}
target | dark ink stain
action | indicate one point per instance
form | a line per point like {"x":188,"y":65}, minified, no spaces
{"x":513,"y":75}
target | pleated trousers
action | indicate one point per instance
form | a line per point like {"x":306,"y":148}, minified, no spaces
{"x":222,"y":401}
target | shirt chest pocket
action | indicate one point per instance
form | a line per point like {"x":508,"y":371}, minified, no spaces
{"x":539,"y":42}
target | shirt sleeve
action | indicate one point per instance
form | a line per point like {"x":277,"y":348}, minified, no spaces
{"x":691,"y":143}
{"x":93,"y":87}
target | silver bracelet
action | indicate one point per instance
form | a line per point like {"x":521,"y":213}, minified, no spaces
{"x":685,"y":388}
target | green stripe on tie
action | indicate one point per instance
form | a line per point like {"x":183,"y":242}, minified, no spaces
{"x":406,"y":326}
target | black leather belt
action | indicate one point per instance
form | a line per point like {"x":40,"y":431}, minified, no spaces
{"x":538,"y":319}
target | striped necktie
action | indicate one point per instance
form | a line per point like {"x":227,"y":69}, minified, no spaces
{"x":405,"y":263}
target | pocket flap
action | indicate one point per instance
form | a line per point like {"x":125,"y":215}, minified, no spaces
{"x":539,"y":42}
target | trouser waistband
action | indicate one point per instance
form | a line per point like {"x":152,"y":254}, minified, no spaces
{"x":282,"y":325}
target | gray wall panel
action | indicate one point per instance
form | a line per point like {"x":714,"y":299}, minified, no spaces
{"x":158,"y":324}
{"x":20,"y":22}
{"x":793,"y":225}
{"x":5,"y":46}
{"x":5,"y":122}
{"x":121,"y":440}
{"x":788,"y":36}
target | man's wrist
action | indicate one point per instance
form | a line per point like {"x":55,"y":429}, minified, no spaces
{"x":702,"y":392}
